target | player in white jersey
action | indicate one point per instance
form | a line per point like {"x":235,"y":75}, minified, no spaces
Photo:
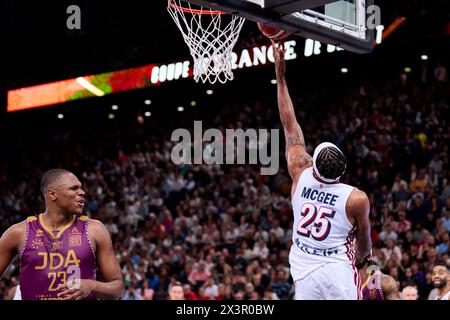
{"x":328,"y":215}
{"x":441,"y":280}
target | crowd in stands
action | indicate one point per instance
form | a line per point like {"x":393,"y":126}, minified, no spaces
{"x":224,"y":231}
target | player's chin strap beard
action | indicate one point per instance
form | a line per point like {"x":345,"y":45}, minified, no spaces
{"x":317,"y":151}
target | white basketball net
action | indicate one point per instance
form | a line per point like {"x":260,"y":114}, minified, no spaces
{"x":210,"y":36}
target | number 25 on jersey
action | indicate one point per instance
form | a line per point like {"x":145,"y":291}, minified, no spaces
{"x":315,"y":223}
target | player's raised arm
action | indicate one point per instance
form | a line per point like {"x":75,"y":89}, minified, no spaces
{"x":9,"y":244}
{"x":358,"y":207}
{"x":296,"y":155}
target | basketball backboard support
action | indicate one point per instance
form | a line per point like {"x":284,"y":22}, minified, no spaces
{"x":342,"y":23}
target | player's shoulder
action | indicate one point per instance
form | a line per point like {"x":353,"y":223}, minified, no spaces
{"x":302,"y":172}
{"x":358,"y":193}
{"x":94,"y":224}
{"x":83,"y":218}
{"x":15,"y":234}
{"x":98,"y":233}
{"x":357,"y":203}
{"x":357,"y":196}
{"x":20,"y":227}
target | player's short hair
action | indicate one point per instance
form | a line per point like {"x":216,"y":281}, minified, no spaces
{"x":329,"y":162}
{"x":442,"y":263}
{"x":50,"y":177}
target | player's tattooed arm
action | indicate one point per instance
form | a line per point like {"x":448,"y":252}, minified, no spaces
{"x":292,"y":131}
{"x":297,"y":159}
{"x":297,"y":140}
{"x":300,"y":160}
{"x":296,"y":155}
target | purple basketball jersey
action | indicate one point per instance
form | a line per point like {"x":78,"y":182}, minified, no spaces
{"x":50,"y":258}
{"x":372,"y":288}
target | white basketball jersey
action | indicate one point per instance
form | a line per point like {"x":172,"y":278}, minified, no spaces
{"x":322,"y":232}
{"x":446,"y":296}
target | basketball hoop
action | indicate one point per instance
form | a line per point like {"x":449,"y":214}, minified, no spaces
{"x":210,"y":36}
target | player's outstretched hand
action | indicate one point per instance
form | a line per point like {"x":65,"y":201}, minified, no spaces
{"x":278,"y":54}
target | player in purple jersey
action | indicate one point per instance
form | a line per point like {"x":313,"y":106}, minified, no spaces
{"x":377,"y":285}
{"x":61,"y":250}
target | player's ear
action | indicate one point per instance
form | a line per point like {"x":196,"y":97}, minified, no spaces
{"x":51,"y":194}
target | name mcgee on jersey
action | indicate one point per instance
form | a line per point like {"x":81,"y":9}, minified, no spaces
{"x":322,"y":197}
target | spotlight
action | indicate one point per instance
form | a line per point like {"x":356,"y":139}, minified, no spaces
{"x":209,"y":92}
{"x":180,"y":109}
{"x":60,"y":116}
{"x":115,"y":107}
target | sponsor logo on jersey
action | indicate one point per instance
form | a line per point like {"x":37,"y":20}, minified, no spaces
{"x":316,"y":251}
{"x":75,"y":240}
{"x":37,"y":243}
{"x":57,"y":245}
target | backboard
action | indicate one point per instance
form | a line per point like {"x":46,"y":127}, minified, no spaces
{"x":343,"y":23}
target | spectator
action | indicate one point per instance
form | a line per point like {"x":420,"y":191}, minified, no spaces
{"x":260,"y":249}
{"x":269,"y":294}
{"x":398,"y":184}
{"x":224,"y":292}
{"x":202,"y":295}
{"x":392,"y":251}
{"x":436,"y":164}
{"x":417,"y":209}
{"x":249,"y":291}
{"x":131,"y":293}
{"x":402,"y":224}
{"x":176,"y":292}
{"x":211,"y":288}
{"x":188,"y":293}
{"x":388,"y":232}
{"x":444,"y":246}
{"x":238,"y":295}
{"x":410,"y":292}
{"x":199,"y":274}
{"x":281,"y":286}
{"x":146,"y":292}
{"x":446,"y":219}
